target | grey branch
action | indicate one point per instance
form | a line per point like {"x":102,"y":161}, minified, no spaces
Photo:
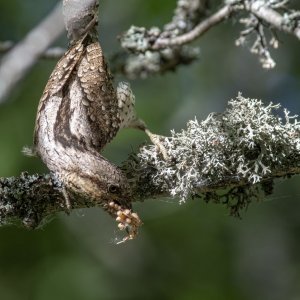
{"x":151,"y":46}
{"x":31,"y":200}
{"x":263,"y":17}
{"x":289,"y":22}
{"x":144,"y":60}
{"x":230,"y":158}
{"x":260,"y":8}
{"x":50,"y":53}
{"x":197,"y":31}
{"x":22,"y":57}
{"x":156,"y":51}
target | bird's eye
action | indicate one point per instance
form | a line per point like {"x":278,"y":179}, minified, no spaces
{"x":113,"y":189}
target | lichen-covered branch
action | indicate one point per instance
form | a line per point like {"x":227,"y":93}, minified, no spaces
{"x":155,"y":51}
{"x":289,"y":22}
{"x":197,"y":31}
{"x":257,"y":16}
{"x":30,"y":200}
{"x":143,"y":59}
{"x":262,"y":18}
{"x":230,"y":158}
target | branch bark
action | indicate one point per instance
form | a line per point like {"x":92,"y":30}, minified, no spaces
{"x":230,"y":158}
{"x":16,"y":63}
{"x":270,"y":16}
{"x":50,"y":53}
{"x":221,"y":15}
{"x":153,"y":51}
{"x":30,"y":200}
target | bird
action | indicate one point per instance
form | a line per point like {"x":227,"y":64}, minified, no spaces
{"x":79,"y":113}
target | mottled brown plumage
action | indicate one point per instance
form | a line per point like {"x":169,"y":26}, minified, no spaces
{"x":79,"y":113}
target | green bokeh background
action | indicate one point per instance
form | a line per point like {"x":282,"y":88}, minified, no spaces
{"x":190,"y":251}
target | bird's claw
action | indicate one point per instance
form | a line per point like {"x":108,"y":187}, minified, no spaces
{"x":127,"y":220}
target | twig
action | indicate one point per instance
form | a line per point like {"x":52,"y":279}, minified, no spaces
{"x":272,"y":17}
{"x":196,"y":32}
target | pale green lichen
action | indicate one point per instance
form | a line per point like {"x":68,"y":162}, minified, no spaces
{"x":222,"y":157}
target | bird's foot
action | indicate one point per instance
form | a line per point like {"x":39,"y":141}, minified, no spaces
{"x":127,"y":220}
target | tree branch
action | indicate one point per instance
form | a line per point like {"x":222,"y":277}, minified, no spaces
{"x":155,"y":51}
{"x":230,"y":158}
{"x":261,"y":8}
{"x":221,"y":15}
{"x":16,"y":63}
{"x":286,"y":23}
{"x":50,"y":53}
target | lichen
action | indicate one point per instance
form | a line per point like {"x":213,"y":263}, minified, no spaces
{"x":222,"y":158}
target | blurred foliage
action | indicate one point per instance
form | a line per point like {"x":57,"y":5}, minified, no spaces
{"x":192,"y":251}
